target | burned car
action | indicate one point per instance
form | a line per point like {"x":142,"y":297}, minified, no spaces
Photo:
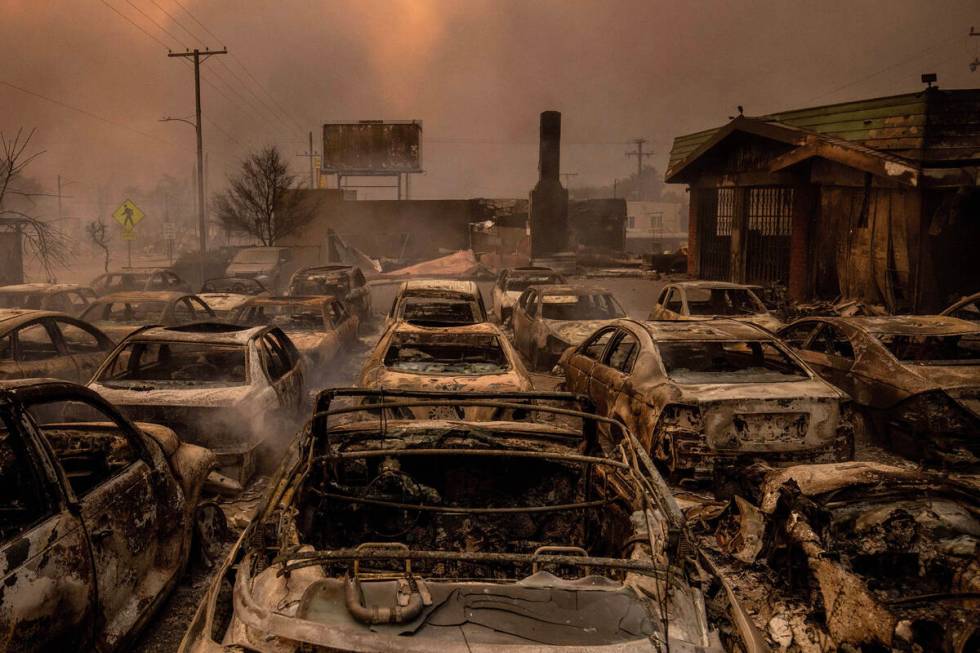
{"x":98,"y":518}
{"x":455,"y":536}
{"x":225,"y":295}
{"x":857,"y":556}
{"x":345,"y":282}
{"x":547,"y":320}
{"x":67,"y":298}
{"x":139,"y":279}
{"x":322,"y":328}
{"x":223,"y":387}
{"x":915,"y":379}
{"x":45,"y":344}
{"x":476,"y":357}
{"x":511,"y":282}
{"x":706,"y":396}
{"x":699,"y":300}
{"x":122,"y":313}
{"x":438,"y":302}
{"x":967,"y":308}
{"x":271,"y":266}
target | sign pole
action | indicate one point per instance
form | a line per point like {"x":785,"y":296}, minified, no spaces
{"x":129,"y":249}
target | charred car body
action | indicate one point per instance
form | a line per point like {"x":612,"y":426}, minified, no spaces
{"x":137,"y":280}
{"x":98,"y":517}
{"x":271,"y":266}
{"x":422,"y":535}
{"x":511,"y":282}
{"x":45,"y":344}
{"x":547,"y":320}
{"x":321,"y":328}
{"x":473,"y":358}
{"x":345,"y":282}
{"x":223,"y":387}
{"x":858,"y":556}
{"x":916,"y":379}
{"x":438,"y":302}
{"x":699,"y":300}
{"x":705,"y":395}
{"x":225,"y":295}
{"x":122,"y":313}
{"x":67,"y":298}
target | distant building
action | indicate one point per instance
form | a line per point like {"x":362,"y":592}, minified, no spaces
{"x":654,"y":227}
{"x":874,"y":200}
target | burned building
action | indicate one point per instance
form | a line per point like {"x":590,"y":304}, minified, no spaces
{"x":875,"y":200}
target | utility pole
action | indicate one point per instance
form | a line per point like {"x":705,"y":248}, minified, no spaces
{"x":202,"y":225}
{"x":975,"y":64}
{"x":639,"y":154}
{"x":310,"y":154}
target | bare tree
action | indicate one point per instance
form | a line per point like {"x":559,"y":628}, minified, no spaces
{"x":41,"y":239}
{"x":100,"y":237}
{"x":261,"y":199}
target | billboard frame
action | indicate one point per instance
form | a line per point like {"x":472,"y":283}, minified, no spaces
{"x":361,"y":172}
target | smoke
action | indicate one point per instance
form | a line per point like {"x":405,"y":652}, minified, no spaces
{"x":477,"y":73}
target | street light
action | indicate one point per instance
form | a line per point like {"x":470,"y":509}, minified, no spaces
{"x":202,"y":223}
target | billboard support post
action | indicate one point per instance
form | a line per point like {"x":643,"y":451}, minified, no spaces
{"x":372,"y":148}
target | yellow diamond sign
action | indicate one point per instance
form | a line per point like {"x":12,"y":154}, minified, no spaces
{"x":128,"y":215}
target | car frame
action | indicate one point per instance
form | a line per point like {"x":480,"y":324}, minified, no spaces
{"x":318,"y":347}
{"x":542,"y":341}
{"x":179,"y":308}
{"x":697,"y":428}
{"x":108,"y":540}
{"x":514,"y":378}
{"x":61,"y":346}
{"x":271,"y":552}
{"x":438,"y":290}
{"x":224,"y":302}
{"x":502,"y":300}
{"x":140,"y":279}
{"x":67,"y":298}
{"x":904,"y":405}
{"x":318,"y":280}
{"x":672,"y":303}
{"x":232,"y":420}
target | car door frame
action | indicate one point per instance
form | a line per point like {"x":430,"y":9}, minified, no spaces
{"x":85,"y":370}
{"x":166,"y":492}
{"x":520,"y":322}
{"x":289,"y":386}
{"x":575,"y":360}
{"x":67,"y":536}
{"x":56,"y":339}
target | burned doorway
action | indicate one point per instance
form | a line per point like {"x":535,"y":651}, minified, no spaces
{"x":769,"y":225}
{"x":715,"y":215}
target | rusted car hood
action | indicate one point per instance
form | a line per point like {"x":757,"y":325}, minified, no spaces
{"x":307,"y":342}
{"x":943,"y":377}
{"x":574,"y":331}
{"x":701,"y":393}
{"x":222,"y":302}
{"x":164,"y":436}
{"x":177,"y":397}
{"x":385,"y":378}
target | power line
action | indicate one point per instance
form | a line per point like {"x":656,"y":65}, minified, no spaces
{"x":221,"y":63}
{"x":88,"y":113}
{"x":240,"y":63}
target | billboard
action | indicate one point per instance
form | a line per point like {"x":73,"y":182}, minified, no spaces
{"x":372,"y":147}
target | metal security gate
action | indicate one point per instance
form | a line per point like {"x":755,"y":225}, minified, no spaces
{"x":716,"y":214}
{"x":769,"y":224}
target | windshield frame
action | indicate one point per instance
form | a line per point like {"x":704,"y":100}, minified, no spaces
{"x":134,"y":385}
{"x":807,"y":374}
{"x":956,"y":362}
{"x":506,"y":367}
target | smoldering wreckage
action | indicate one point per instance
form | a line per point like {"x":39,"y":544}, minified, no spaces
{"x":741,"y":471}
